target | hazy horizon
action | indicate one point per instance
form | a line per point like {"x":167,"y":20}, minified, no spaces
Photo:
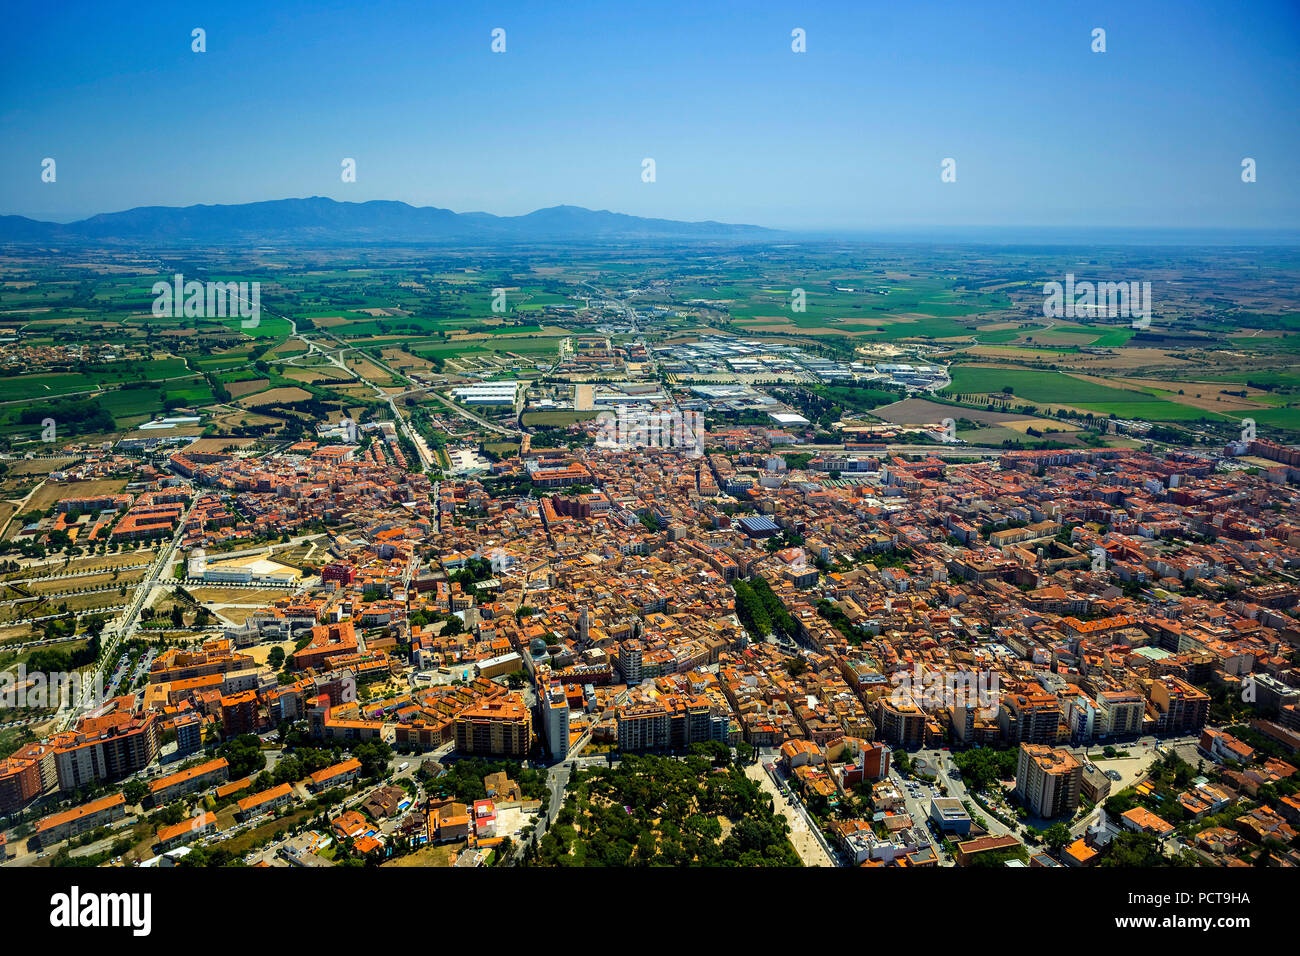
{"x":940,"y":234}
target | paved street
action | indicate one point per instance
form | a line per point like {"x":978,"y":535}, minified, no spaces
{"x":808,"y":843}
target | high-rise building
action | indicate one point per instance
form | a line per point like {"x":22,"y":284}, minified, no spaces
{"x":1033,"y":716}
{"x":555,"y":711}
{"x":670,"y":722}
{"x":902,"y":722}
{"x":501,"y":728}
{"x":1120,"y":713}
{"x":239,"y":713}
{"x":629,"y":660}
{"x":20,"y":784}
{"x":105,"y":748}
{"x":1048,"y":780}
{"x":1183,"y":708}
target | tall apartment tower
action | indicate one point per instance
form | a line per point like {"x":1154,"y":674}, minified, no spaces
{"x":1048,"y":780}
{"x":555,"y":707}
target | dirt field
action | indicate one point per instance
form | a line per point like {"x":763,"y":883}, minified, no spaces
{"x":287,"y":348}
{"x":316,"y":374}
{"x":105,"y":562}
{"x":429,"y":856}
{"x":240,"y":389}
{"x":219,"y":595}
{"x":233,"y":420}
{"x":213,"y":446}
{"x":1213,"y":395}
{"x":1118,"y":360}
{"x":62,"y":585}
{"x":37,"y":466}
{"x":260,"y":652}
{"x":405,"y":361}
{"x":52,"y":492}
{"x":918,"y":411}
{"x":369,"y":371}
{"x":354,"y":391}
{"x":274,"y":396}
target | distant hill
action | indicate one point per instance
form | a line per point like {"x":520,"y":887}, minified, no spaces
{"x":324,"y":220}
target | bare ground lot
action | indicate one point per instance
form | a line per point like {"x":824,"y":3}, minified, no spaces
{"x":240,"y":389}
{"x":105,"y":562}
{"x":64,"y":585}
{"x":437,"y":856}
{"x":37,"y":466}
{"x":213,"y":446}
{"x":54,"y":491}
{"x":286,"y":395}
{"x":919,"y":411}
{"x":219,"y":595}
{"x":313,"y":374}
{"x":1125,"y":359}
{"x":405,"y":361}
{"x":234,"y":419}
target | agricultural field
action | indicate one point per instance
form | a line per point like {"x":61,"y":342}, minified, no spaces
{"x":557,"y":419}
{"x":918,"y":411}
{"x":107,"y":365}
{"x":1053,"y":389}
{"x":16,"y":387}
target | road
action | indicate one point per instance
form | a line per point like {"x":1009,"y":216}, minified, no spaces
{"x":1132,"y":769}
{"x":939,"y":451}
{"x":804,"y":835}
{"x":476,"y":419}
{"x":124,"y":629}
{"x":919,"y":806}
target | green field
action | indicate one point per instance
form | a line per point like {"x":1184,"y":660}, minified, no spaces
{"x":47,"y":384}
{"x":1288,"y":418}
{"x":1048,"y":388}
{"x":555,"y":419}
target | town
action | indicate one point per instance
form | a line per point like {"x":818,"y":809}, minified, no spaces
{"x":313,"y":653}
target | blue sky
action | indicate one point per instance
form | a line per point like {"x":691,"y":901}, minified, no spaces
{"x":847,"y":136}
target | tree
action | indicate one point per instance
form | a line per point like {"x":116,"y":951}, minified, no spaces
{"x":1133,"y":850}
{"x":135,"y":791}
{"x":374,"y":756}
{"x":244,"y":754}
{"x":1057,"y":836}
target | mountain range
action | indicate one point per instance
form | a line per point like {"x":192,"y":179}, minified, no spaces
{"x":318,"y":219}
